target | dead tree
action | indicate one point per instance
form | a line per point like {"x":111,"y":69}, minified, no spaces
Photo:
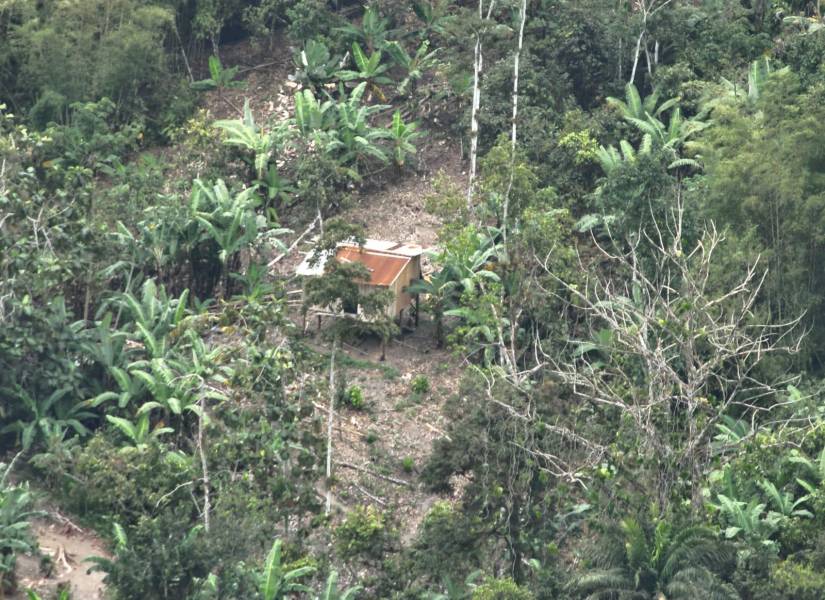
{"x":647,"y":9}
{"x":673,"y":353}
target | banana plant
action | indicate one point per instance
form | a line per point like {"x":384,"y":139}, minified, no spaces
{"x":636,"y":107}
{"x":646,"y":115}
{"x":277,"y":583}
{"x":46,"y":415}
{"x":440,"y":289}
{"x":170,"y":383}
{"x":311,"y":114}
{"x":244,"y":133}
{"x":139,"y":433}
{"x":433,"y":16}
{"x":219,"y":77}
{"x":331,"y":591}
{"x":277,"y":187}
{"x":369,"y":70}
{"x":315,"y":65}
{"x":747,"y":519}
{"x":354,"y":140}
{"x":784,"y":503}
{"x":155,"y":315}
{"x":373,"y":32}
{"x":610,"y":158}
{"x":815,"y":469}
{"x":129,"y":388}
{"x":402,"y":136}
{"x":16,"y":511}
{"x":414,"y":66}
{"x":230,"y":221}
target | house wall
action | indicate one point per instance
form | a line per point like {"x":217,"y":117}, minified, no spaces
{"x":411,"y":272}
{"x":401,"y":299}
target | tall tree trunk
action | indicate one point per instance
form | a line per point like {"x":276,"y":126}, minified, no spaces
{"x":514,"y":131}
{"x":204,"y":467}
{"x":330,"y":417}
{"x":478,"y":65}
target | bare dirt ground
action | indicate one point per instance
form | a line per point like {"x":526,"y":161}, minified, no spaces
{"x":67,"y":546}
{"x":380,"y":449}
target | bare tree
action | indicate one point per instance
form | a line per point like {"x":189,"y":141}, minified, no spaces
{"x":671,"y":352}
{"x":647,"y":9}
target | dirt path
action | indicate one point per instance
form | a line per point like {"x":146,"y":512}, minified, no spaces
{"x":67,"y":546}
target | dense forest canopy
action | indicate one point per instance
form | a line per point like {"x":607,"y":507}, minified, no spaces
{"x":609,"y":385}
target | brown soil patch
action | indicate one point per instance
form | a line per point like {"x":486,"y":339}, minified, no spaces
{"x":67,"y":546}
{"x":379,"y":450}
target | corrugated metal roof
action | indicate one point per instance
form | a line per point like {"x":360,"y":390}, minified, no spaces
{"x":384,"y":268}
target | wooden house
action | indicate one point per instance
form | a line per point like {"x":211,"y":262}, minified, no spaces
{"x":392,"y":266}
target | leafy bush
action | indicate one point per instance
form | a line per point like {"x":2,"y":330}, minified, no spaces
{"x":354,"y":397}
{"x":162,"y":558}
{"x":799,"y":581}
{"x":363,"y":533}
{"x":106,"y":483}
{"x":16,"y":511}
{"x":420,"y":384}
{"x":501,"y":589}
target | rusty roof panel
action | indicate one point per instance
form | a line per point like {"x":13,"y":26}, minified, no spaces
{"x":384,"y":269}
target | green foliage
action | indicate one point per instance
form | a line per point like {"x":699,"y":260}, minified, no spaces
{"x":363,"y":533}
{"x":402,"y":135}
{"x":681,"y":563}
{"x":87,"y":51}
{"x":106,"y":482}
{"x":278,"y":581}
{"x":354,"y":397}
{"x":800,"y":581}
{"x":16,"y":512}
{"x":420,"y":384}
{"x":501,"y":589}
{"x":331,"y":591}
{"x":745,"y":194}
{"x":314,"y":65}
{"x":157,"y":559}
{"x":219,"y":78}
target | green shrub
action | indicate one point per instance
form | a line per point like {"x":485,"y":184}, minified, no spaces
{"x":447,"y":543}
{"x":501,"y":589}
{"x":408,"y":464}
{"x":363,"y":532}
{"x":163,"y":557}
{"x":104,"y":482}
{"x":799,"y":581}
{"x":354,"y":397}
{"x":420,"y":384}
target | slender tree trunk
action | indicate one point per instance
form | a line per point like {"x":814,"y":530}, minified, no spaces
{"x":478,"y":66}
{"x":330,"y":417}
{"x":204,"y":468}
{"x":183,"y":53}
{"x":474,"y":119}
{"x":514,"y":132}
{"x":636,"y":57}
